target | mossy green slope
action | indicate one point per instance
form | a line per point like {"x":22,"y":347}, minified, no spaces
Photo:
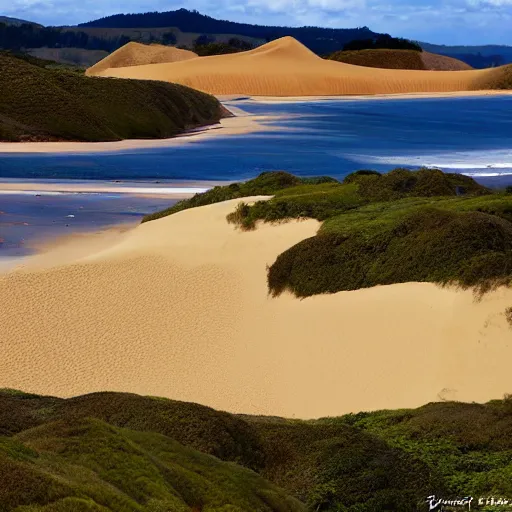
{"x":119,"y":452}
{"x":267,"y":183}
{"x":80,"y":462}
{"x":48,"y":104}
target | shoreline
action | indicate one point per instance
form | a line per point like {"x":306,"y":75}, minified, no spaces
{"x":174,"y":189}
{"x":240,"y":123}
{"x":369,"y":97}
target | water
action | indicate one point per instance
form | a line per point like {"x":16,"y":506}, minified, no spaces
{"x":470,"y":135}
{"x":322,"y":137}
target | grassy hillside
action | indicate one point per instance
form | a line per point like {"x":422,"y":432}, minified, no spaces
{"x":390,"y":59}
{"x":48,"y":104}
{"x":72,"y":464}
{"x":403,"y":226}
{"x":399,"y":59}
{"x":122,"y":452}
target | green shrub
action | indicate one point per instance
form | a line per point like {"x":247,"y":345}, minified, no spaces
{"x":433,"y":245}
{"x":354,"y":176}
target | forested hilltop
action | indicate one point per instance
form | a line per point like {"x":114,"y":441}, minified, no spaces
{"x":317,"y":39}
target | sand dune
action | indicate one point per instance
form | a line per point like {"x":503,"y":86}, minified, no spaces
{"x":137,"y":54}
{"x":178,"y":307}
{"x":287,"y":68}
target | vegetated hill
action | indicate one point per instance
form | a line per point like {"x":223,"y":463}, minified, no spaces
{"x":79,"y":57}
{"x":75,"y":462}
{"x":115,"y":451}
{"x":17,"y":22}
{"x":479,"y":57}
{"x":403,"y":226}
{"x":46,"y":104}
{"x":320,"y":40}
{"x":205,"y":46}
{"x":136,"y":54}
{"x":399,"y":59}
{"x":382,"y":42}
{"x":22,"y":37}
{"x":285,"y":67}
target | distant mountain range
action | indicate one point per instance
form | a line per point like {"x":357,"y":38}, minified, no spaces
{"x":320,"y":40}
{"x":485,"y":56}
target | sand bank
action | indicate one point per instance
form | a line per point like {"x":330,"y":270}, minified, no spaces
{"x":355,"y":97}
{"x":285,"y":67}
{"x":179,"y":308}
{"x":175,"y":190}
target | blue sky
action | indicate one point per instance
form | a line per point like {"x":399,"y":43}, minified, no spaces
{"x":436,"y":21}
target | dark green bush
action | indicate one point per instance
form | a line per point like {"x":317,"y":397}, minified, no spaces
{"x":354,"y":176}
{"x":423,"y":183}
{"x":469,"y":249}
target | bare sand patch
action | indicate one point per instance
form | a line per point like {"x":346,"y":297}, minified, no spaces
{"x":287,"y":68}
{"x":178,"y":307}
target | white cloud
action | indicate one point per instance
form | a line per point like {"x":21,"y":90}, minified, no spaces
{"x":449,"y":21}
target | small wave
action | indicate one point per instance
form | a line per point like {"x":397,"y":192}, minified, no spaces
{"x":481,"y":163}
{"x":486,"y":174}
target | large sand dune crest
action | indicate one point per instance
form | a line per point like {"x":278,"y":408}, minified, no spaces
{"x":287,"y":68}
{"x":137,"y":54}
{"x":179,"y":307}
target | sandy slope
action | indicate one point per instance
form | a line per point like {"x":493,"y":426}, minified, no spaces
{"x":178,"y":307}
{"x":137,"y":54}
{"x":287,"y":68}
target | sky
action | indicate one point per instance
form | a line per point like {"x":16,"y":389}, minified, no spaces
{"x":436,"y":21}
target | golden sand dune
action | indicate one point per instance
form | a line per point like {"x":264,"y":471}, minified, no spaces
{"x":287,"y":68}
{"x":137,"y":54}
{"x":178,"y":307}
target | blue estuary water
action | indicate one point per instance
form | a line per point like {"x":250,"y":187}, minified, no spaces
{"x":470,"y":135}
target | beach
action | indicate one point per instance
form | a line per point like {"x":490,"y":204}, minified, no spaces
{"x":179,"y":308}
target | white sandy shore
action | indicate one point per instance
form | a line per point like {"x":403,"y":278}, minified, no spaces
{"x":179,"y":308}
{"x":369,"y":97}
{"x":176,"y":190}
